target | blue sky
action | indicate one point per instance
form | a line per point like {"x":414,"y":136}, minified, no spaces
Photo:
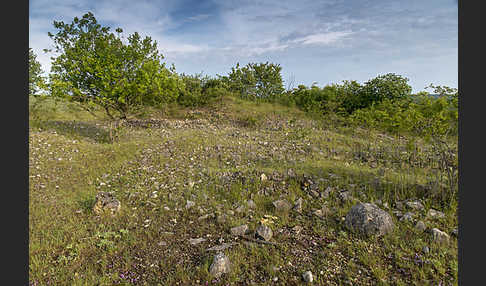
{"x":314,"y":41}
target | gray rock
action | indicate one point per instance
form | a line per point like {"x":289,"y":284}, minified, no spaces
{"x":190,"y":204}
{"x":325,"y":194}
{"x":251,"y":204}
{"x":240,"y":209}
{"x":345,"y":196}
{"x":298,"y":205}
{"x":455,"y":232}
{"x":399,"y":206}
{"x":195,"y":241}
{"x":407,"y":216}
{"x":239,"y":230}
{"x":297,"y":229}
{"x":416,"y":205}
{"x":308,"y":277}
{"x":106,"y":202}
{"x":220,"y":265}
{"x":282,"y":205}
{"x":221,"y":219}
{"x":421,"y":226}
{"x":264,"y":232}
{"x":435,"y":214}
{"x":439,"y":236}
{"x":324,"y":211}
{"x":425,"y":249}
{"x":368,"y":219}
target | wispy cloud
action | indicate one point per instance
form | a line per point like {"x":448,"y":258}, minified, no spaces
{"x":323,"y":38}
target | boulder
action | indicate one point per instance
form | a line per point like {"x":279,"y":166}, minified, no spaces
{"x":368,"y":219}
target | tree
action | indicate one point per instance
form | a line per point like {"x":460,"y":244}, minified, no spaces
{"x":36,"y":81}
{"x":389,"y":86}
{"x":256,"y":80}
{"x":98,"y":67}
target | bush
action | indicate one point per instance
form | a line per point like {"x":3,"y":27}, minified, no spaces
{"x":36,"y":81}
{"x":199,"y":90}
{"x":261,"y":81}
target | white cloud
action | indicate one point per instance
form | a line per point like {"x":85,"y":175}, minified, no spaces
{"x":322,"y":38}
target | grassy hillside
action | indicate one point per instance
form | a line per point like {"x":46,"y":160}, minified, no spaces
{"x":215,"y":157}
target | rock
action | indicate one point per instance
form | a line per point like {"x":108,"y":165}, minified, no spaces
{"x":298,"y":205}
{"x":291,"y":173}
{"x":203,"y":217}
{"x":416,"y":205}
{"x":264,"y":232}
{"x":297,"y":229}
{"x":399,"y":214}
{"x":324,"y":211}
{"x":282,"y":205}
{"x":435,"y":214}
{"x":221,"y":219}
{"x":240,"y":209}
{"x":263,"y":177}
{"x":385,"y":206}
{"x":251,"y":204}
{"x":439,"y":236}
{"x":327,"y":192}
{"x":239,"y":230}
{"x":399,"y":206}
{"x":221,"y":247}
{"x":106,"y":202}
{"x":421,"y":226}
{"x":369,"y":219}
{"x":220,"y":265}
{"x":346,"y":196}
{"x":407,"y":216}
{"x":308,"y":277}
{"x":190,"y":204}
{"x":425,"y":249}
{"x":195,"y":241}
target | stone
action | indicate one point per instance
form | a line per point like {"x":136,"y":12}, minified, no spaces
{"x":421,"y":226}
{"x":195,"y":241}
{"x":221,"y":219}
{"x":106,"y":202}
{"x":190,"y":204}
{"x":325,"y":194}
{"x":399,"y":206}
{"x":416,"y":205}
{"x":297,"y":229}
{"x":239,"y":230}
{"x":250,"y":204}
{"x":264,"y":232}
{"x":439,"y":236}
{"x":263,"y":177}
{"x":368,"y":219}
{"x":220,"y":265}
{"x":240,"y":209}
{"x":322,"y":212}
{"x":407,"y":216}
{"x":308,"y":277}
{"x":435,"y":214}
{"x":455,"y":232}
{"x":425,"y":249}
{"x":346,"y":196}
{"x":282,"y":205}
{"x":298,"y":205}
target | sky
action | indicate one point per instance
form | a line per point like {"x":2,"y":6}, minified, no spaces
{"x":315,"y":42}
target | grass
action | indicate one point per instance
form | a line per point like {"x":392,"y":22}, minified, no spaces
{"x":214,"y":156}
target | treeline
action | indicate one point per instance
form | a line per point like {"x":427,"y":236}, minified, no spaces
{"x":122,"y":75}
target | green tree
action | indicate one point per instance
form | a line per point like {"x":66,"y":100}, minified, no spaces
{"x":256,"y":80}
{"x":98,"y":67}
{"x":36,"y":81}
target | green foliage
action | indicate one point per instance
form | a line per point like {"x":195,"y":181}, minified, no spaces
{"x":262,"y":81}
{"x":199,"y":90}
{"x":36,"y":81}
{"x":98,"y":67}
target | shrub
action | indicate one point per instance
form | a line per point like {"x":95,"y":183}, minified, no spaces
{"x":199,"y":90}
{"x":36,"y":81}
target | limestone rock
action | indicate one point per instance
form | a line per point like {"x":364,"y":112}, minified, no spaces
{"x":369,"y":219}
{"x":439,"y":236}
{"x":220,"y":265}
{"x":308,"y":277}
{"x":282,"y":205}
{"x":264,"y":232}
{"x":239,"y":230}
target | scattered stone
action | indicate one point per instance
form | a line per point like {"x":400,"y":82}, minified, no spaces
{"x":240,"y":209}
{"x":291,"y":173}
{"x":220,"y":265}
{"x":275,"y":279}
{"x":162,"y":243}
{"x":399,"y":214}
{"x":239,"y":230}
{"x":251,"y":204}
{"x":298,"y":205}
{"x":407,"y":216}
{"x":195,"y":241}
{"x":203,"y":217}
{"x":327,"y":192}
{"x":399,"y":206}
{"x":297,"y":229}
{"x":435,"y":214}
{"x":190,"y":204}
{"x":385,"y":205}
{"x":369,"y":219}
{"x":308,"y":277}
{"x":425,"y":249}
{"x":314,"y":193}
{"x":221,"y":246}
{"x":166,"y":208}
{"x":263,"y":177}
{"x":264,"y":232}
{"x":416,"y":205}
{"x":346,"y":196}
{"x":439,"y":236}
{"x":282,"y":205}
{"x":421,"y":226}
{"x":106,"y":201}
{"x":230,"y":212}
{"x":221,"y":219}
{"x":324,"y":211}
